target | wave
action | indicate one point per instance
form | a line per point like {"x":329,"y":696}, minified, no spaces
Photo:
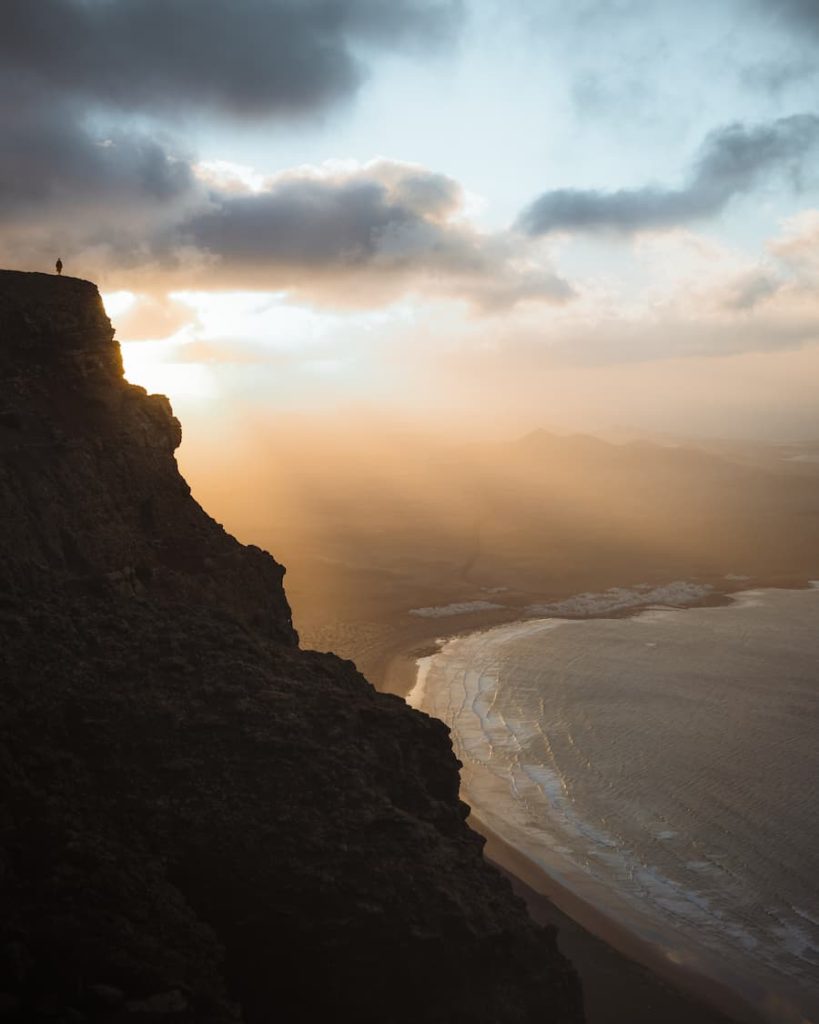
{"x":663,"y":766}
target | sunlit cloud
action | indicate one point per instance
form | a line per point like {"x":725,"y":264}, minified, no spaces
{"x":227,"y":176}
{"x":343,"y":223}
{"x":681,"y":296}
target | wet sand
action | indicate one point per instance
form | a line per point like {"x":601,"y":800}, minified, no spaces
{"x":624,"y":978}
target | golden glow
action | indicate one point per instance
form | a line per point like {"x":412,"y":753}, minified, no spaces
{"x":152,"y":365}
{"x":118,"y":303}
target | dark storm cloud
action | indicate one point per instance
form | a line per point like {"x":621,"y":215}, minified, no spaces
{"x":802,"y":15}
{"x":732,"y":160}
{"x":314,"y":222}
{"x":798,"y":62}
{"x":386,"y":223}
{"x":69,"y":66}
{"x":51,"y":162}
{"x":70,"y":69}
{"x":126,"y":197}
{"x":246,"y":56}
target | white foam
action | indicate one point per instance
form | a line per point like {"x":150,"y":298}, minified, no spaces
{"x":441,"y":611}
{"x":677,"y":594}
{"x":696,"y":907}
{"x":415,"y":698}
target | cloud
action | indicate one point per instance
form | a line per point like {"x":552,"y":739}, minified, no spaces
{"x":88,"y":167}
{"x":801,"y":15}
{"x":89,"y":88}
{"x":697,"y":298}
{"x":249,"y":57}
{"x":137,"y":214}
{"x":732,"y":160}
{"x":775,"y":76}
{"x":382,"y":227}
{"x":308,"y":220}
{"x":798,"y":249}
{"x":51,"y":161}
{"x":706,"y":314}
{"x":791,"y":62}
{"x":751,"y":289}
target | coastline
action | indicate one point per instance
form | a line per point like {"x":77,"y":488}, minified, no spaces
{"x":395,"y":671}
{"x":629,"y":977}
{"x":624,"y":977}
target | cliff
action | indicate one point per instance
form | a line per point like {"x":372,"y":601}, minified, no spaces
{"x":92,"y":497}
{"x":200,"y":821}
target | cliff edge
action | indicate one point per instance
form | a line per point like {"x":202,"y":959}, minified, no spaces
{"x":200,"y":821}
{"x":92,"y":496}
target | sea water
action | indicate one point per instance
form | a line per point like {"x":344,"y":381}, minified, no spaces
{"x":666,"y":768}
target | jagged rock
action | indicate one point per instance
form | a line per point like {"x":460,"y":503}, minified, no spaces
{"x":92,"y":497}
{"x":162,"y":1003}
{"x":10,"y":1005}
{"x":105,"y":996}
{"x":193,"y":807}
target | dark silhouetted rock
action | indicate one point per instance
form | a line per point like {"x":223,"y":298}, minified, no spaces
{"x":200,"y":821}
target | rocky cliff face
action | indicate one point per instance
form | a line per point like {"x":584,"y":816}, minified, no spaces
{"x":92,"y":497}
{"x":199,"y":820}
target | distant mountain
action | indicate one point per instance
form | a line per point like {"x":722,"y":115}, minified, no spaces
{"x":544,"y":517}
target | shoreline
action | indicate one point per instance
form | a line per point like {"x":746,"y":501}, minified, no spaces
{"x":544,"y":894}
{"x":595,"y":937}
{"x":398,"y":673}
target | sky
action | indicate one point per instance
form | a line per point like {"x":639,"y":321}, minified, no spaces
{"x":469,"y":215}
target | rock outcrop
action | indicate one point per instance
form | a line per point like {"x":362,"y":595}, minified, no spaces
{"x":92,"y":497}
{"x":199,"y":820}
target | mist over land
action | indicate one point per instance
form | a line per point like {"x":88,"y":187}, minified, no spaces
{"x":401,"y":543}
{"x":374,"y":523}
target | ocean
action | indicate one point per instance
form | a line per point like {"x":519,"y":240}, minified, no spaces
{"x":665,"y":768}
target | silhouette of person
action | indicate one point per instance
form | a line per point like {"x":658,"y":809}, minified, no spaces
{"x":59,"y":265}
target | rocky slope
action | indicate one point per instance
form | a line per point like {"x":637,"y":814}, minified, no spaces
{"x":199,"y":820}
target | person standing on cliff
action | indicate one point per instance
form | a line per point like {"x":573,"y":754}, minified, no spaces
{"x":59,"y":265}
